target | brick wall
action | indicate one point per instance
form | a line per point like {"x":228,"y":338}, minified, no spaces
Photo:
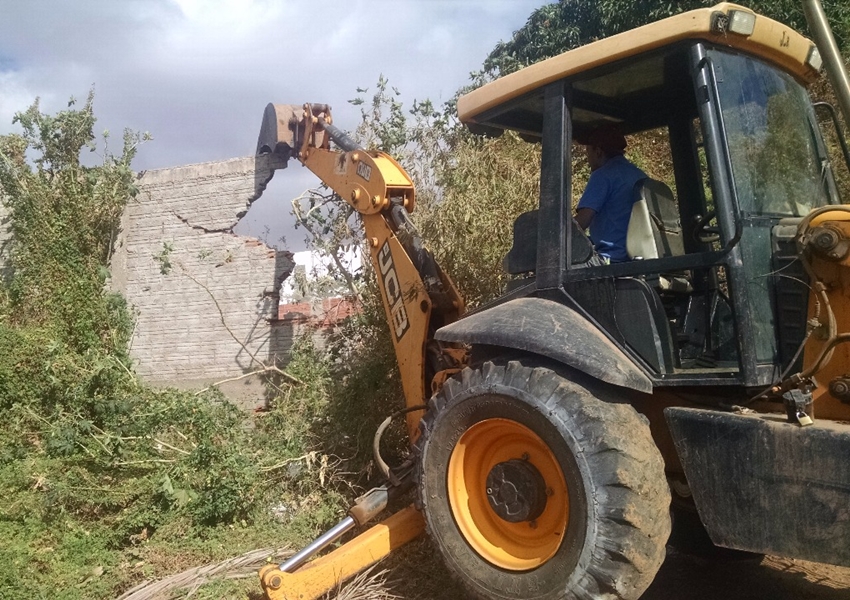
{"x":205,"y":298}
{"x":321,"y":313}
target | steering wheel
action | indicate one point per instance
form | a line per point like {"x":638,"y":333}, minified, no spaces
{"x":703,"y":232}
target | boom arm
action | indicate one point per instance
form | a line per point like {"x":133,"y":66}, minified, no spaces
{"x":418,"y":296}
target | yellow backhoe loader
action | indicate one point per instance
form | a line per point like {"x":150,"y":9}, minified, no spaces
{"x":553,"y":429}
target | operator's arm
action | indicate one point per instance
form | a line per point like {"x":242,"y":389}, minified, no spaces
{"x":584,"y":216}
{"x":592,"y":200}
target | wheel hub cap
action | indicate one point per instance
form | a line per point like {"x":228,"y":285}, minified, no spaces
{"x":516,"y":491}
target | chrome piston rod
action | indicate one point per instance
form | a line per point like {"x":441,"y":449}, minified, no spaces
{"x":327,"y":538}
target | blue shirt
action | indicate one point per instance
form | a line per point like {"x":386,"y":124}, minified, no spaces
{"x":610,"y":194}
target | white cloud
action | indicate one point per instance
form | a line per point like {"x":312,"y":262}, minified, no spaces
{"x":14,"y":97}
{"x":198,"y":73}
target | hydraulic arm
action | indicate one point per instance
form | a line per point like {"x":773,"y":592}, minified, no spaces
{"x":418,"y":298}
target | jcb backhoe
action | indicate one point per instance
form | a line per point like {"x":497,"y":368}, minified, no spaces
{"x":553,"y":429}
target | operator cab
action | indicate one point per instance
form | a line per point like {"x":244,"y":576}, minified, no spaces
{"x":721,"y":121}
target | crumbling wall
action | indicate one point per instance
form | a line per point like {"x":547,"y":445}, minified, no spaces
{"x":206,"y":300}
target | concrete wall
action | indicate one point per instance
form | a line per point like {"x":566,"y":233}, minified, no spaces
{"x":205,"y":298}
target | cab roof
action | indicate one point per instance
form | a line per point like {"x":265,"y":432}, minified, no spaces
{"x":770,"y":41}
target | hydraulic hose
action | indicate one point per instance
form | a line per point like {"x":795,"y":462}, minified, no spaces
{"x":376,"y":442}
{"x":339,"y":137}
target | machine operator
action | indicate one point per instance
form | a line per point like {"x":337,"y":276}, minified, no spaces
{"x":606,"y":205}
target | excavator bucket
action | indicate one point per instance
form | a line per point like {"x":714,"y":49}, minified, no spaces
{"x":285,"y":127}
{"x":280,"y":129}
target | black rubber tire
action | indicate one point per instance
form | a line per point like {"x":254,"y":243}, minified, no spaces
{"x":619,"y":499}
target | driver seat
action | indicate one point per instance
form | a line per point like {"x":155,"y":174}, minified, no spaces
{"x":655,"y":230}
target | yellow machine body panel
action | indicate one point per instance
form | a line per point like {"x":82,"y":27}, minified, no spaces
{"x":834,"y":273}
{"x":770,"y":40}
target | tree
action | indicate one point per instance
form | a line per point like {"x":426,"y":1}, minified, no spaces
{"x":64,"y":216}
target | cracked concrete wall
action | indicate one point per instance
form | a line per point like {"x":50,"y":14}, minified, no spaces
{"x":195,"y":286}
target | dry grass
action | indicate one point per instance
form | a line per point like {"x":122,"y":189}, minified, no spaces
{"x":413,"y":573}
{"x":369,"y":585}
{"x":186,"y":583}
{"x":416,"y":573}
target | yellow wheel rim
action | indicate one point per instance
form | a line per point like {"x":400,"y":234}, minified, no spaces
{"x":511,"y":546}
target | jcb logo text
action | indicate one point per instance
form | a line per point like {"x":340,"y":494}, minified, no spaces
{"x":392,"y":289}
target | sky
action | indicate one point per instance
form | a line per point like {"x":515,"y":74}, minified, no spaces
{"x":197,"y":74}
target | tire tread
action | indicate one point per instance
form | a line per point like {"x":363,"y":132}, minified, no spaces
{"x":631,"y":501}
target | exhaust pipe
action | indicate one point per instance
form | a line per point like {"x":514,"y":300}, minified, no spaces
{"x":834,"y":64}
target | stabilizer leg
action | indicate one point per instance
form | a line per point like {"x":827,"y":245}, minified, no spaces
{"x":322,"y":574}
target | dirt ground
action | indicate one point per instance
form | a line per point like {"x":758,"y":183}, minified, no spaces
{"x":419,"y":575}
{"x":686,"y":578}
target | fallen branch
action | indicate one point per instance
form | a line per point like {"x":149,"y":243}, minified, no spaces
{"x":121,"y":363}
{"x":309,"y":457}
{"x":89,"y":452}
{"x":102,"y":445}
{"x":178,"y":432}
{"x":169,"y":446}
{"x":265,"y":369}
{"x":221,"y":316}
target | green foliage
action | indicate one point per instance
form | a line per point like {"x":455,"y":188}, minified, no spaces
{"x":368,"y":388}
{"x":469,"y":189}
{"x":383,"y":123}
{"x":470,"y":229}
{"x":333,"y":232}
{"x":300,"y":413}
{"x":163,"y":258}
{"x":63,"y":220}
{"x":121,"y":472}
{"x":790,"y":12}
{"x":100,"y":471}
